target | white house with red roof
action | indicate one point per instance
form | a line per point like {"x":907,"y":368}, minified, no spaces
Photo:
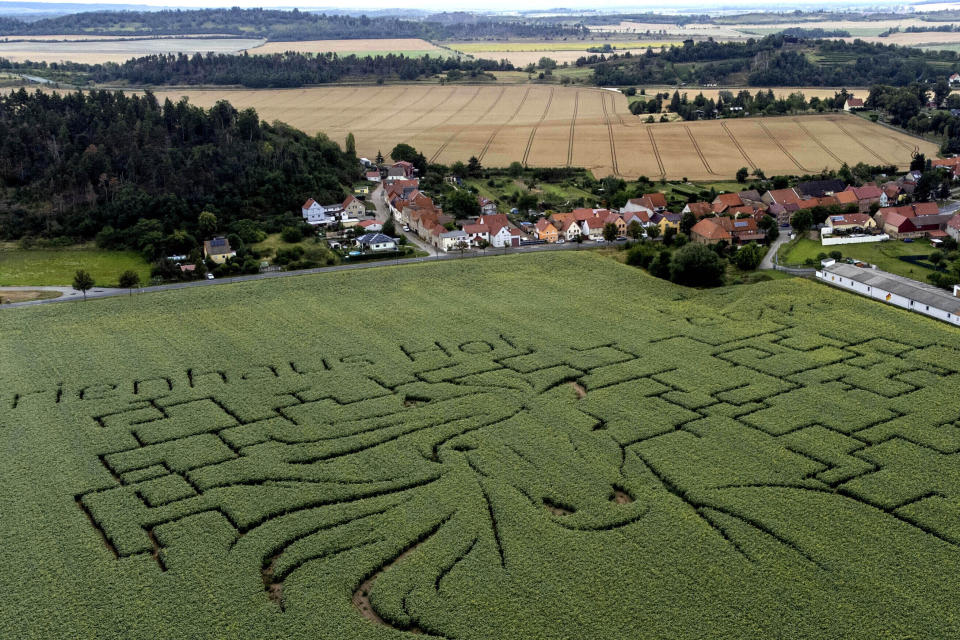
{"x":853,"y":104}
{"x":315,"y":213}
{"x":371,"y":226}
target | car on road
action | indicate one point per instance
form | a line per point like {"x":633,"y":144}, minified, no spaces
{"x":406,"y":227}
{"x":209,"y":276}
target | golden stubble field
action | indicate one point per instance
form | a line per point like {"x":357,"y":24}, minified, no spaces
{"x":562,"y":126}
{"x":100,"y":50}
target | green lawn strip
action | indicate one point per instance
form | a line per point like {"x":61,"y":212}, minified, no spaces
{"x":49,"y":267}
{"x":886,"y":255}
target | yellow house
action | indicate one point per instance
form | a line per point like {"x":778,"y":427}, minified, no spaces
{"x":218,"y":249}
{"x":668,"y":221}
{"x":546,"y":231}
{"x":619,"y":223}
{"x":362,"y":190}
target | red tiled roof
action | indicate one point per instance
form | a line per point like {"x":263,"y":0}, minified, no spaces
{"x":846,"y":197}
{"x":729,"y":200}
{"x":475,"y":229}
{"x":309,"y":203}
{"x":854,"y":102}
{"x":658,"y":199}
{"x":711,"y":229}
{"x":784,"y":196}
{"x":926,"y":209}
{"x":701,"y":209}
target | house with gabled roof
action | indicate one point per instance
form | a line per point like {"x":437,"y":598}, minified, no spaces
{"x":315,"y":213}
{"x":866,"y":195}
{"x":726,"y":200}
{"x":218,"y":249}
{"x":820,"y":188}
{"x":570,"y":229}
{"x":593,"y":228}
{"x":487,"y":205}
{"x":853,"y":104}
{"x":699,"y":209}
{"x":781,"y":196}
{"x":953,"y":227}
{"x":710,"y":231}
{"x":850,"y":221}
{"x":546,"y":231}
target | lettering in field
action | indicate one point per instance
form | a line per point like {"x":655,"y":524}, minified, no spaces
{"x":409,"y":469}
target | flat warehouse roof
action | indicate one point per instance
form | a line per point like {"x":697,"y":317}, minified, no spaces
{"x":912,"y":289}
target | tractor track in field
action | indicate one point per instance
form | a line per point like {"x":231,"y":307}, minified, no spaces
{"x":486,"y":146}
{"x":817,"y":140}
{"x":457,"y":112}
{"x":573,"y":125}
{"x":350,"y":122}
{"x":855,"y":139}
{"x":737,"y":144}
{"x":656,"y":152}
{"x":696,"y":147}
{"x":453,"y":137}
{"x":782,"y":148}
{"x":533,"y":132}
{"x":416,"y":102}
{"x":613,"y":144}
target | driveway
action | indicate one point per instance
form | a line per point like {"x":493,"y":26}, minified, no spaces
{"x":767,"y":262}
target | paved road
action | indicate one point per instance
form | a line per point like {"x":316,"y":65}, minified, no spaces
{"x":767,"y":262}
{"x":108,"y":293}
{"x":383,"y":213}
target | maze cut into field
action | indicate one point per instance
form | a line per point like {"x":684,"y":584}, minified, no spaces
{"x":559,"y":126}
{"x":778,"y":459}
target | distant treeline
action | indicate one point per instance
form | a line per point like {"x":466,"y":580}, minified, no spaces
{"x":279,"y":70}
{"x":278,"y":25}
{"x":136,"y":173}
{"x":774,"y":61}
{"x":814,"y":34}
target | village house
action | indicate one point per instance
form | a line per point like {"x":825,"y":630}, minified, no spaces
{"x":649,"y":203}
{"x":726,"y":200}
{"x":402,"y":170}
{"x":376,"y":242}
{"x":570,"y":230}
{"x":500,"y":233}
{"x":820,"y":188}
{"x":853,"y":104}
{"x":218,"y":249}
{"x":546,"y":231}
{"x":866,"y":195}
{"x":487,"y":205}
{"x":477,"y":234}
{"x":371,"y":226}
{"x":699,"y":209}
{"x":781,"y":197}
{"x":953,"y":227}
{"x":850,"y":221}
{"x":315,"y":213}
{"x":373,"y":176}
{"x":668,"y":221}
{"x":733,"y":230}
{"x":593,"y":228}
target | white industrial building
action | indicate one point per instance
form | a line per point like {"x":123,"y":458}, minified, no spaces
{"x":892,"y":289}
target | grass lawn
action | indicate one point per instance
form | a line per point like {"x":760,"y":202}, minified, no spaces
{"x":507,"y":186}
{"x":45,"y":267}
{"x":883,"y":254}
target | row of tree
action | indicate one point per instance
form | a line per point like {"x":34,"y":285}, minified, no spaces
{"x":278,"y":24}
{"x":157,"y":178}
{"x":289,"y":69}
{"x":773,"y":61}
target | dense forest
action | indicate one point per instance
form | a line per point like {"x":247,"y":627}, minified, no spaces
{"x":137,"y":174}
{"x":775,"y":60}
{"x":280,"y":25}
{"x":262,"y":71}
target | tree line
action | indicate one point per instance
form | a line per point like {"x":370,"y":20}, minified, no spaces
{"x":775,"y":60}
{"x":157,"y":178}
{"x":290,"y":69}
{"x":276,"y":24}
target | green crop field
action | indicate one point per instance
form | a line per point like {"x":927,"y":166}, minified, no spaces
{"x":520,"y":447}
{"x":43,"y":267}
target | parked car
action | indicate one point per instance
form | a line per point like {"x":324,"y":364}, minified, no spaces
{"x":406,"y":227}
{"x":209,"y":276}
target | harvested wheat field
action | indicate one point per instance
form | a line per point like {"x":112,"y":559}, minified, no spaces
{"x":91,"y":51}
{"x":361,"y":47}
{"x":554,"y":126}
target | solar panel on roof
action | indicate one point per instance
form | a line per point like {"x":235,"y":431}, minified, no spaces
{"x":739,"y":224}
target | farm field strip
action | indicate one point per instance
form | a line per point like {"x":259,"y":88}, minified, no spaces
{"x":555,"y":126}
{"x":96,"y":51}
{"x":357,"y":47}
{"x":768,"y":458}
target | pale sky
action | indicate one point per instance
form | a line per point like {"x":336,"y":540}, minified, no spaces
{"x":686,"y":6}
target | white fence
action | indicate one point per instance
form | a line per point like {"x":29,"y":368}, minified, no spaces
{"x":828,"y":241}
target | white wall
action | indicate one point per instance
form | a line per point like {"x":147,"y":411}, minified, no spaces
{"x":828,"y":241}
{"x":882,"y":295}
